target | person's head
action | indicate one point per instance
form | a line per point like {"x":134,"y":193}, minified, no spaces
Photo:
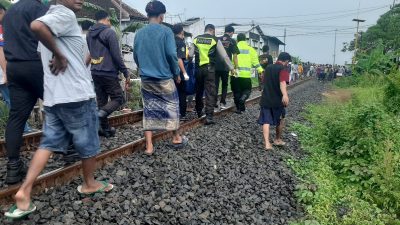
{"x":103,"y":18}
{"x":2,"y":12}
{"x":284,"y":58}
{"x":178,"y":31}
{"x":229,"y":30}
{"x":265,"y":49}
{"x":74,"y":5}
{"x":156,"y":11}
{"x":241,"y":37}
{"x":210,"y":29}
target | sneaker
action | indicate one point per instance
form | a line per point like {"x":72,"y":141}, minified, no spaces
{"x":200,"y":114}
{"x":183,"y":118}
{"x":224,"y":106}
{"x":209,"y":121}
{"x":107,"y":133}
{"x":238,"y":112}
{"x":16,"y":172}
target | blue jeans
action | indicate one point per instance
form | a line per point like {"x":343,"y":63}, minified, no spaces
{"x":77,"y":120}
{"x":6,"y":97}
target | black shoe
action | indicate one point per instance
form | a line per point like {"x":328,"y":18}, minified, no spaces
{"x":102,"y":114}
{"x":200,"y":114}
{"x":16,"y":172}
{"x":209,"y":121}
{"x":107,"y":133}
{"x":238,"y":112}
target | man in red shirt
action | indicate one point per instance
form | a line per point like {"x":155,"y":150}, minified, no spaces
{"x":275,"y":99}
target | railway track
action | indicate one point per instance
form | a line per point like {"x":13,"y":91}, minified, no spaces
{"x":64,"y":175}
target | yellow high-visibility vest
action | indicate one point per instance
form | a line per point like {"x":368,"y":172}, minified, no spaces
{"x":247,"y":59}
{"x":205,"y":48}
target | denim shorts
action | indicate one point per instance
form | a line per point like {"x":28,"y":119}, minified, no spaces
{"x":76,"y":122}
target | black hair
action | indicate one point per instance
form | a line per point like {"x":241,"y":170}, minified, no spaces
{"x":284,"y":56}
{"x":177,"y":29}
{"x":155,"y":8}
{"x":209,"y":27}
{"x":101,"y":15}
{"x":229,"y":29}
{"x":265,"y":48}
{"x":241,"y":37}
{"x":3,"y":7}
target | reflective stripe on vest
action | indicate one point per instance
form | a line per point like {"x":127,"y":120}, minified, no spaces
{"x":244,"y":51}
{"x":244,"y":69}
{"x":204,"y":46}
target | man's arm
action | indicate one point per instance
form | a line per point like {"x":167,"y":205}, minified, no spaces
{"x":285,"y":98}
{"x":3,"y":65}
{"x":116,"y":53}
{"x":59,"y":63}
{"x":171,"y":54}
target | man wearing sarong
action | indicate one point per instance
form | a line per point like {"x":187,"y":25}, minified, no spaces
{"x":156,"y":57}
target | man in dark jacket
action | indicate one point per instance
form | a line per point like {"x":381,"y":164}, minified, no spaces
{"x":107,"y":63}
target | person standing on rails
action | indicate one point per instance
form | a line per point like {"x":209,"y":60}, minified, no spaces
{"x":24,"y":75}
{"x":241,"y":83}
{"x":106,"y":63}
{"x":156,"y":57}
{"x":207,"y":49}
{"x":181,"y":52}
{"x":265,"y":60}
{"x":275,"y":99}
{"x":69,"y":100}
{"x":222,"y":71}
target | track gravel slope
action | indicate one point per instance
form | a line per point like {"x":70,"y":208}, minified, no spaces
{"x":224,"y":177}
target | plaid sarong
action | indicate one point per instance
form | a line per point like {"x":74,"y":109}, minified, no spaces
{"x":160,"y":105}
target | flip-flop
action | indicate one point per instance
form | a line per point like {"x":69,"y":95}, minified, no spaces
{"x":283,"y":144}
{"x":183,"y":144}
{"x":15,"y":213}
{"x":100,"y":190}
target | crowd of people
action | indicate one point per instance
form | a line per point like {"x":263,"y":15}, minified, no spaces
{"x":323,"y":72}
{"x":47,"y":57}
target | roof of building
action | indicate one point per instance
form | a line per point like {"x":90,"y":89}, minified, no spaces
{"x":190,"y":21}
{"x":128,"y":13}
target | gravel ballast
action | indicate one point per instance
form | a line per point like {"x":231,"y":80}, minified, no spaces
{"x":223,"y":177}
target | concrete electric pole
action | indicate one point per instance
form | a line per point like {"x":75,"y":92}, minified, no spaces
{"x":357,"y":36}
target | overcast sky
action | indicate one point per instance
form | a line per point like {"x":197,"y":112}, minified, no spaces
{"x":310,"y":24}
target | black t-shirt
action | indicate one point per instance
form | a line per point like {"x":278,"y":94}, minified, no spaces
{"x":180,"y":48}
{"x":268,"y":58}
{"x":272,"y":95}
{"x":231,"y":48}
{"x":20,"y":44}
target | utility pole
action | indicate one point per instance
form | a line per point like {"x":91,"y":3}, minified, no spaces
{"x":334,"y":50}
{"x":284,"y":41}
{"x":357,"y":36}
{"x":120,"y":14}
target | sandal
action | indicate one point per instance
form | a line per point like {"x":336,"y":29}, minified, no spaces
{"x":107,"y":187}
{"x":15,"y":213}
{"x":183,"y":144}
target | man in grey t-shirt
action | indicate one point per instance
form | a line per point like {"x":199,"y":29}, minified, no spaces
{"x":70,"y":108}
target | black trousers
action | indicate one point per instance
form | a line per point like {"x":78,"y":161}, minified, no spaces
{"x":25,"y":82}
{"x":108,"y":88}
{"x":181,"y":87}
{"x":224,"y":77}
{"x":241,"y":88}
{"x":205,"y":83}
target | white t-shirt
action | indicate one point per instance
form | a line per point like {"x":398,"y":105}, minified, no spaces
{"x":74,"y":85}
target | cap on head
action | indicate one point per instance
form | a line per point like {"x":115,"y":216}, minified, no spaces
{"x":155,"y":8}
{"x":241,"y":37}
{"x":229,"y":29}
{"x":284,"y":56}
{"x":177,"y":29}
{"x":210,"y":27}
{"x":101,"y":15}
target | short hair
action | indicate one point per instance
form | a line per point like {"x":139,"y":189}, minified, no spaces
{"x":241,"y":37}
{"x":229,"y":29}
{"x":155,"y":8}
{"x":209,"y":27}
{"x":2,"y":7}
{"x":177,"y":29}
{"x":265,"y":48}
{"x":101,"y":15}
{"x":284,"y":56}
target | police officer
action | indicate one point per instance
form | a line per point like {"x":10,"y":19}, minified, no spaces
{"x":241,"y":83}
{"x":207,"y":49}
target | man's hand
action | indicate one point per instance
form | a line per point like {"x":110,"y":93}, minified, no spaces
{"x":234,"y":73}
{"x":58,"y":64}
{"x":186,"y":76}
{"x":127,"y":83}
{"x":285,"y":100}
{"x":178,"y":79}
{"x":4,"y":80}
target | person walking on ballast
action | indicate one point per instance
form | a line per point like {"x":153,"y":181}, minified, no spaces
{"x":106,"y":64}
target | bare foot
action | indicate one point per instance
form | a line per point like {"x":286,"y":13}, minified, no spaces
{"x":95,"y":187}
{"x":22,"y":200}
{"x":149,"y":150}
{"x":177,"y":140}
{"x":269,"y":147}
